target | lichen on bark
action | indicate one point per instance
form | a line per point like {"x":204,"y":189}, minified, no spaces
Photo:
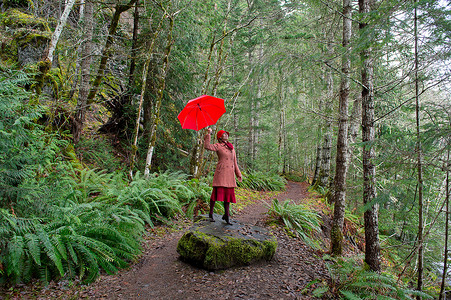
{"x":336,"y":237}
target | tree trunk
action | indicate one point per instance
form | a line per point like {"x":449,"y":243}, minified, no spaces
{"x":198,"y":162}
{"x":339,"y":196}
{"x":59,"y":29}
{"x":447,"y":212}
{"x":156,"y":112}
{"x":419,"y":163}
{"x":327,"y":142}
{"x":372,"y":246}
{"x":356,"y":119}
{"x":141,"y":98}
{"x":256,"y":112}
{"x":85,"y":65}
{"x":106,"y":49}
{"x":131,"y":77}
{"x":318,"y":160}
{"x":119,"y":107}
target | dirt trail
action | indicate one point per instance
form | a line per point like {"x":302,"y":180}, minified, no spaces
{"x":161,"y":275}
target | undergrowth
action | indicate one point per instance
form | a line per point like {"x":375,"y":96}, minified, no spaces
{"x":259,"y":181}
{"x":352,"y":280}
{"x":305,"y":222}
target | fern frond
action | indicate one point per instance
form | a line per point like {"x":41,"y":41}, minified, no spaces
{"x":34,"y":247}
{"x":15,"y":254}
{"x":349,"y":295}
{"x":50,"y":250}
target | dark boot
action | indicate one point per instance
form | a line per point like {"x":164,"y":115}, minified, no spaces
{"x":210,"y":215}
{"x":226,"y":215}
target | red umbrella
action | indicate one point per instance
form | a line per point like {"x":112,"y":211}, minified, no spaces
{"x":201,"y":112}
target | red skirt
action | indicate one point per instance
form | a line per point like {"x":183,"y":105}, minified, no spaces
{"x":223,"y":194}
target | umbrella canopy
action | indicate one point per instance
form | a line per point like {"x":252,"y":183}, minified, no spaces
{"x":201,"y":112}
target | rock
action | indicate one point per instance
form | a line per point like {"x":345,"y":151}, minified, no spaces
{"x":215,"y":245}
{"x":26,"y":38}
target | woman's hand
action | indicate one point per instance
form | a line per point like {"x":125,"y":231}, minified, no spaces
{"x":240,"y":179}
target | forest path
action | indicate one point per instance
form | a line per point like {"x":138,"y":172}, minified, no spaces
{"x":160,"y":274}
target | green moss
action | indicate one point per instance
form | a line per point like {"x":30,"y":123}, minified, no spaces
{"x":14,"y":18}
{"x":19,"y":3}
{"x":70,"y":154}
{"x":24,"y":36}
{"x":336,"y":240}
{"x":215,"y":253}
{"x":23,"y":30}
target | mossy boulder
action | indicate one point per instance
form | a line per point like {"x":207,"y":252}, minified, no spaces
{"x":25,"y":37}
{"x":215,"y":245}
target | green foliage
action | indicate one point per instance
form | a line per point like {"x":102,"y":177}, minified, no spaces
{"x":99,"y":153}
{"x":298,"y":217}
{"x":25,"y":148}
{"x":352,"y":282}
{"x":259,"y":181}
{"x":87,"y":221}
{"x":201,"y":191}
{"x":295,"y":176}
{"x":78,"y":240}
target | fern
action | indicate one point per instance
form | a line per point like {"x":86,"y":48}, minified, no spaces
{"x":262,"y":182}
{"x":353,"y":282}
{"x":300,"y":218}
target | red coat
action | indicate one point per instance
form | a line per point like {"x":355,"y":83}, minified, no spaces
{"x":227,"y":166}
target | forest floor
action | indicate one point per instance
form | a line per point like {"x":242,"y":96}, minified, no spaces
{"x":294,"y":273}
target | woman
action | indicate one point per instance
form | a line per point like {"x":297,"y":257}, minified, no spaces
{"x":224,"y":179}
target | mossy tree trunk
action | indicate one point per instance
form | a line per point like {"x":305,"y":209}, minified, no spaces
{"x":198,"y":149}
{"x":120,"y":107}
{"x":119,"y":9}
{"x":86,"y":58}
{"x":447,"y":212}
{"x":141,"y":98}
{"x":339,"y":196}
{"x":157,"y":108}
{"x":372,"y":247}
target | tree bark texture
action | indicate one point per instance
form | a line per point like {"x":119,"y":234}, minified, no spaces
{"x":327,"y":142}
{"x":106,"y":49}
{"x":85,"y":65}
{"x":59,"y":29}
{"x":141,"y":98}
{"x":317,"y":162}
{"x":198,"y":150}
{"x":372,"y":246}
{"x":339,"y":196}
{"x":356,"y":119}
{"x":447,"y":212}
{"x":419,"y":162}
{"x":156,"y":113}
{"x":131,"y":77}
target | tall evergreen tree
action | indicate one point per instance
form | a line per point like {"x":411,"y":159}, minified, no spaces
{"x":339,"y":197}
{"x":372,"y":247}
